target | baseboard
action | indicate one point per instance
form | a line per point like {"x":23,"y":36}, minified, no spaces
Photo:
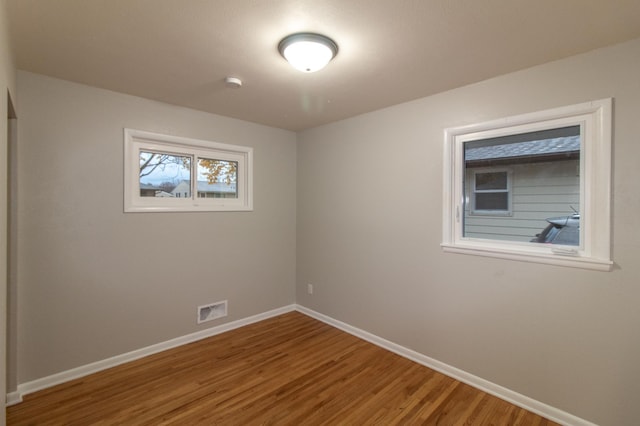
{"x":14,"y":398}
{"x":75,"y":373}
{"x":508,"y":395}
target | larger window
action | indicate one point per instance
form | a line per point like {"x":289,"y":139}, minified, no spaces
{"x":170,"y":173}
{"x":535,"y":187}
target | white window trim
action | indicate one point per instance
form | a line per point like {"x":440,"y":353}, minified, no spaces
{"x":595,"y":187}
{"x":137,"y":140}
{"x":472,"y":193}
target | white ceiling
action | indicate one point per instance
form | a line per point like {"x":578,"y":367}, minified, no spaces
{"x":391,"y":51}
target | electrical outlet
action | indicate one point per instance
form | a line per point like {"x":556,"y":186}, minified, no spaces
{"x":310,"y":288}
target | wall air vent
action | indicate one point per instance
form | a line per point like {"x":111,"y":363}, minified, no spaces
{"x":212,"y":311}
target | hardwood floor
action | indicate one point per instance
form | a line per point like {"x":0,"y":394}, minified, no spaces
{"x":287,"y":370}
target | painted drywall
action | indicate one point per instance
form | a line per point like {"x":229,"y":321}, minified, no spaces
{"x":369,"y":230}
{"x":7,"y":88}
{"x":95,"y":282}
{"x":7,"y":64}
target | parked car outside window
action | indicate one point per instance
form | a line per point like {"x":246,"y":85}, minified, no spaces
{"x":563,"y":230}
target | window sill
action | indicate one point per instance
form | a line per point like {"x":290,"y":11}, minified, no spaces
{"x":576,"y":261}
{"x":188,"y":208}
{"x":490,"y":213}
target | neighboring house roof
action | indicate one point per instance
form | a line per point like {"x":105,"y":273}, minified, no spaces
{"x":156,"y":190}
{"x":205,"y":186}
{"x":148,"y":186}
{"x":555,"y":148}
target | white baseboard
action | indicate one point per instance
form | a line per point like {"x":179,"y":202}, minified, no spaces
{"x":65,"y":376}
{"x":14,"y":398}
{"x":508,"y":395}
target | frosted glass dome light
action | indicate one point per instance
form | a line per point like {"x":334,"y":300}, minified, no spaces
{"x":308,"y":52}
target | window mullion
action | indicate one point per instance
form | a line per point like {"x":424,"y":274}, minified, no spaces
{"x":194,"y":178}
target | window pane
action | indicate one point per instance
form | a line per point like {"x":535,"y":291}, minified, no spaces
{"x":542,"y":182}
{"x":496,"y":180}
{"x":492,"y":201}
{"x":568,"y":235}
{"x":164,"y":175}
{"x":217,"y":178}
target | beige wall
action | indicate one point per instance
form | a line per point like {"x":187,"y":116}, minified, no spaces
{"x":95,"y":282}
{"x":7,"y":85}
{"x":369,"y":228}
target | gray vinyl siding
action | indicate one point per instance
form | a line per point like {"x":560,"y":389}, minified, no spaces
{"x":538,"y":191}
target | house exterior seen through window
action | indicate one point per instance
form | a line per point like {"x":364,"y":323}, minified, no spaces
{"x":517,"y":182}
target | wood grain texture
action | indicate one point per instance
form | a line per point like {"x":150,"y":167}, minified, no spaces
{"x":287,"y":370}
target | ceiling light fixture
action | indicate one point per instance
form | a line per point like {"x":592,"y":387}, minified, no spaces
{"x":308,"y":52}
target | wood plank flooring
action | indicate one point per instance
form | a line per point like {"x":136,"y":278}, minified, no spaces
{"x":287,"y":370}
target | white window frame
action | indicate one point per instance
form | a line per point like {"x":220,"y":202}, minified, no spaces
{"x":474,"y":211}
{"x":136,"y":141}
{"x":594,"y":252}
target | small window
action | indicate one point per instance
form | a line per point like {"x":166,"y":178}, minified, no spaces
{"x":170,"y":173}
{"x":491,"y":193}
{"x":534,"y":187}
